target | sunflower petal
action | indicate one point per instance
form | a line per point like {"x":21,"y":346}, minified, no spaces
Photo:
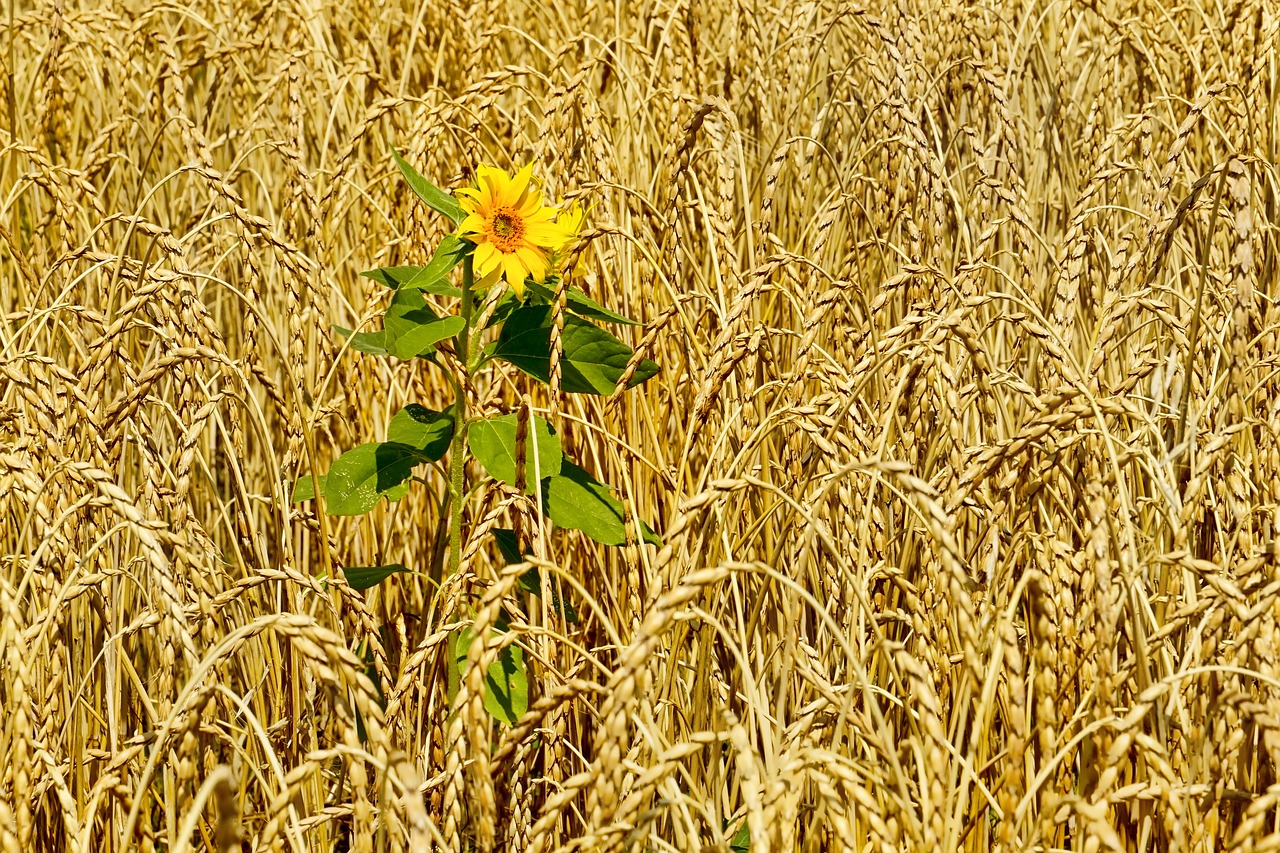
{"x":487,"y":259}
{"x":487,"y":280}
{"x":543,"y":234}
{"x":519,"y":186}
{"x":501,"y":186}
{"x":535,"y":261}
{"x":486,"y":172}
{"x":515,"y":271}
{"x":570,"y":224}
{"x":538,"y":214}
{"x":517,"y":287}
{"x":472,"y":224}
{"x":492,"y":182}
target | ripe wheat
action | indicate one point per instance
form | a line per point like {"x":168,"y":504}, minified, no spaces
{"x":965,"y":450}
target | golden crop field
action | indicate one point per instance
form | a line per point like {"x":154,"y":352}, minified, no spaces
{"x":964,"y":453}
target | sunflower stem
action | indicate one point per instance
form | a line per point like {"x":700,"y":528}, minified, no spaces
{"x":457,"y":448}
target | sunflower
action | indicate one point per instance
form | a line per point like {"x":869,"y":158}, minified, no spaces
{"x":570,"y":223}
{"x":516,"y":235}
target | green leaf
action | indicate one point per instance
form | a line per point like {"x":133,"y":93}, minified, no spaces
{"x":437,"y":199}
{"x":433,"y":277}
{"x":506,"y":684}
{"x":412,"y":328}
{"x":391,"y":277}
{"x":371,"y":671}
{"x":493,"y":442}
{"x":508,"y":546}
{"x":422,"y":428}
{"x":579,"y":303}
{"x":367,"y":576}
{"x":649,"y":535}
{"x":373,"y":343}
{"x":592,"y":362}
{"x":305,"y":489}
{"x":578,"y":501}
{"x":364,"y":474}
{"x":741,"y":842}
{"x":531,"y":581}
{"x":418,"y":278}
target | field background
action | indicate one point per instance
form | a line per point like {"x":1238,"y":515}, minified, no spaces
{"x":965,"y":450}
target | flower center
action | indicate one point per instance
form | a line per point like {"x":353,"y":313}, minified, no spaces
{"x":506,"y":230}
{"x":503,"y":225}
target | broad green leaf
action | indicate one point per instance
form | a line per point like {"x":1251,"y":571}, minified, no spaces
{"x":364,"y":474}
{"x":366,"y":656}
{"x":371,"y":671}
{"x":508,"y":545}
{"x":649,"y":535}
{"x":531,"y":581}
{"x":367,"y":576}
{"x":741,"y":842}
{"x":579,"y":303}
{"x":493,"y":442}
{"x":391,"y":277}
{"x":305,"y":488}
{"x":373,"y":343}
{"x":433,"y":278}
{"x":418,"y":278}
{"x":422,"y":428}
{"x":592,"y":362}
{"x":453,"y":669}
{"x":437,"y":199}
{"x":576,"y":500}
{"x":506,"y":684}
{"x":412,"y":328}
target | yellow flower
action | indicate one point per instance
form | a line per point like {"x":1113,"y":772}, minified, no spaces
{"x":514,"y":232}
{"x":570,"y":221}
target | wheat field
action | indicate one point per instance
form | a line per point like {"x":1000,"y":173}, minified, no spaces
{"x":965,"y":450}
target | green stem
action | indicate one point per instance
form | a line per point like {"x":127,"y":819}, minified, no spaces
{"x":458,"y":447}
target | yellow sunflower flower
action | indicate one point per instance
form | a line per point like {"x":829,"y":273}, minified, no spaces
{"x":514,"y":232}
{"x":570,"y":221}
